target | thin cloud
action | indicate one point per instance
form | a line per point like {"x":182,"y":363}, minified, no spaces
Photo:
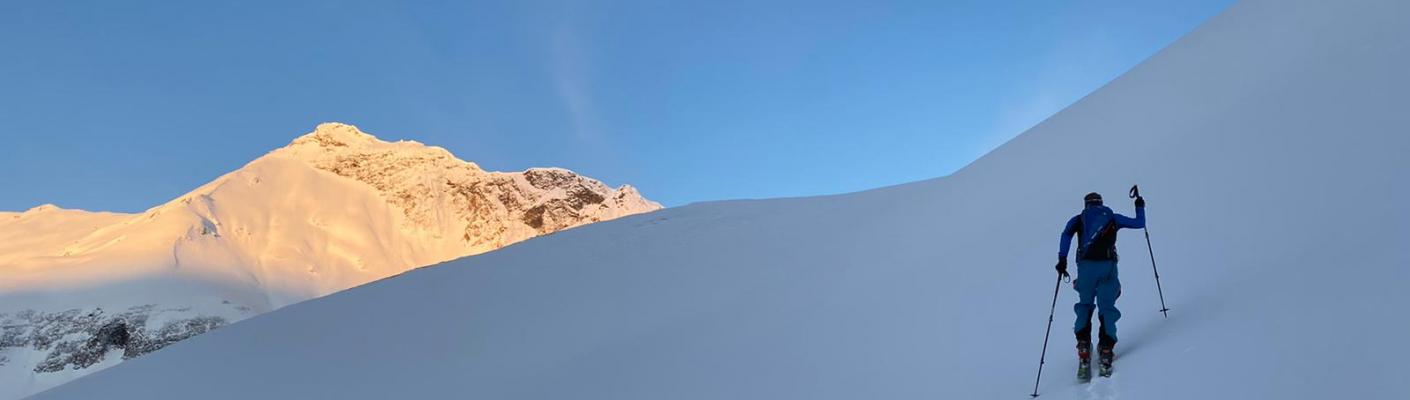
{"x":571,"y":81}
{"x":1065,"y":76}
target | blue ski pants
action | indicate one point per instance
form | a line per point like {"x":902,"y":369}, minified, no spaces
{"x":1097,"y":289}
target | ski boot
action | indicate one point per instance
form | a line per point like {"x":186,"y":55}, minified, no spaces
{"x":1107,"y":356}
{"x":1084,"y":361}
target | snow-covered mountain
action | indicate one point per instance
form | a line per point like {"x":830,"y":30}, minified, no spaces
{"x":336,"y":208}
{"x":1271,"y":143}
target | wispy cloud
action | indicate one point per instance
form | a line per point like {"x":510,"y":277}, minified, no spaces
{"x":571,"y":54}
{"x":1076,"y":65}
{"x":571,"y":78}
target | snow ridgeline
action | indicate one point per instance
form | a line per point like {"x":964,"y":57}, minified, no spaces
{"x":1270,"y":144}
{"x":334,"y":209}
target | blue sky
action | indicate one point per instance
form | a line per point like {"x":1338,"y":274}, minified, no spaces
{"x":125,"y":105}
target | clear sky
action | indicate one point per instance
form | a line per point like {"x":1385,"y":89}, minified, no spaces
{"x":108,"y":105}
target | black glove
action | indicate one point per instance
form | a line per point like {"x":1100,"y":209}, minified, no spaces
{"x":1140,"y":202}
{"x":1062,"y":266}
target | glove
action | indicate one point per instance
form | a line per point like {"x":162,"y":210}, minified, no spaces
{"x":1140,"y":202}
{"x":1062,"y":266}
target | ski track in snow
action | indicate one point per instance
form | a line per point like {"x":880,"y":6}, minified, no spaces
{"x":1103,"y":388}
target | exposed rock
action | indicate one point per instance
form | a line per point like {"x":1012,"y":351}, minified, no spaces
{"x":77,"y":339}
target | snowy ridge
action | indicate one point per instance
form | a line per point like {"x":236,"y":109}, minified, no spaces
{"x":334,"y":209}
{"x":1270,"y":144}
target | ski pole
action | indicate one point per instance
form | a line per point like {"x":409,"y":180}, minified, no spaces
{"x":1042,"y":358}
{"x":1136,"y":192}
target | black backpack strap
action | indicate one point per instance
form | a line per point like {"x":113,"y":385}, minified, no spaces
{"x":1081,"y":234}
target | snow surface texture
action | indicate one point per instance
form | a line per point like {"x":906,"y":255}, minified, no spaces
{"x":1272,"y":147}
{"x":335,"y":209}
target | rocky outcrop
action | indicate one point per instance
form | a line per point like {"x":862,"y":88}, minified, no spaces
{"x":77,"y":339}
{"x":442,"y":194}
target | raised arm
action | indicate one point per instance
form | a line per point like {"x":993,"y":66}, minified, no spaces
{"x":1133,"y":223}
{"x":1065,"y":241}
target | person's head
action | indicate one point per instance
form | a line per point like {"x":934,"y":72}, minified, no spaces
{"x":1092,"y":199}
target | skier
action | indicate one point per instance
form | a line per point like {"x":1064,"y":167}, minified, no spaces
{"x":1096,"y":284}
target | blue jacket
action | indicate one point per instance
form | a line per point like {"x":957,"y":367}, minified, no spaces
{"x":1089,"y":232}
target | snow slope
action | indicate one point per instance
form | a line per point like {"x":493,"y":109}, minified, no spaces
{"x":334,"y":209}
{"x":1271,"y":145}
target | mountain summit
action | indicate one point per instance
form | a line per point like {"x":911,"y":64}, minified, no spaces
{"x":334,"y":209}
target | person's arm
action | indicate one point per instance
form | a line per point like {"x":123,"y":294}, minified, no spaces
{"x":1133,"y":223}
{"x":1065,"y":241}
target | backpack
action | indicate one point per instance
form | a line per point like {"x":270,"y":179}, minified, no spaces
{"x":1098,"y":229}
